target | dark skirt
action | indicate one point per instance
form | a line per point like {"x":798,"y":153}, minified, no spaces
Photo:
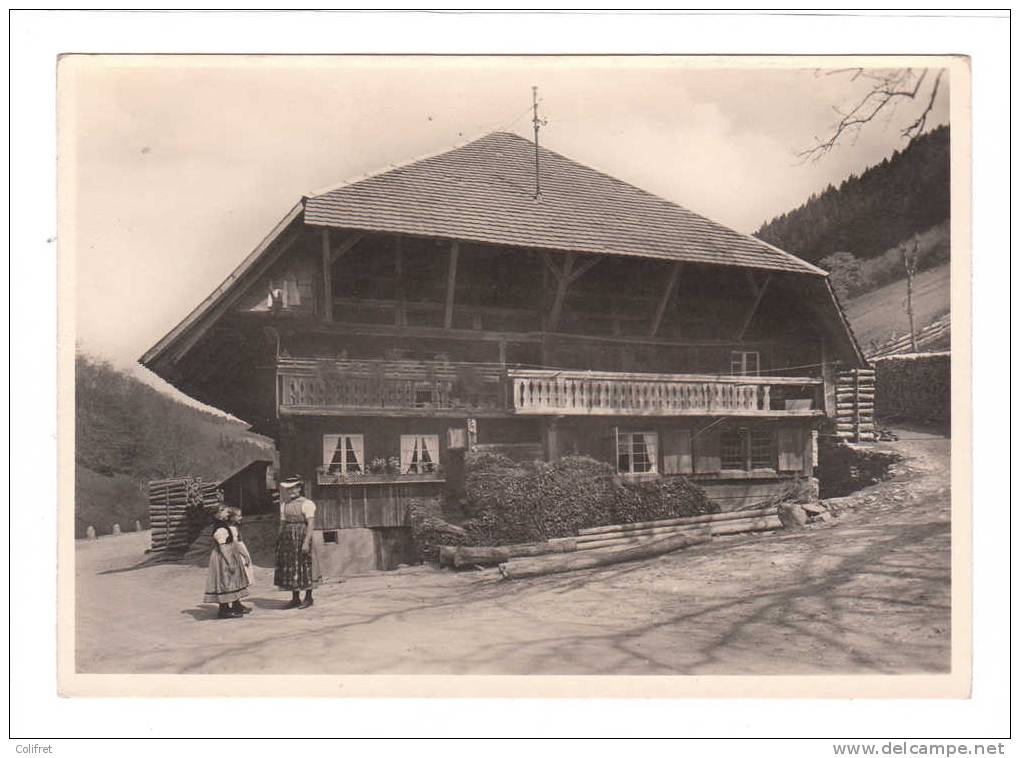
{"x":295,"y":569}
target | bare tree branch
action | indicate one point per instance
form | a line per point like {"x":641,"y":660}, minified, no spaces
{"x":889,"y":90}
{"x":918,"y":126}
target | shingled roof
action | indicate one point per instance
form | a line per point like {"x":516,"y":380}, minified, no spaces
{"x":484,"y":192}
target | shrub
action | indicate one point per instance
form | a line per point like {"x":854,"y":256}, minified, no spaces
{"x":914,"y":387}
{"x":847,"y":468}
{"x":511,"y":502}
{"x":429,"y":529}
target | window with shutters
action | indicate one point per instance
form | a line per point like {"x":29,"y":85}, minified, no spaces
{"x":748,"y":448}
{"x":343,"y":454}
{"x":637,"y":452}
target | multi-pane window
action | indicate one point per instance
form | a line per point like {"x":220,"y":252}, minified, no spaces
{"x":419,"y":453}
{"x":637,"y":452}
{"x":343,"y":453}
{"x":744,"y":363}
{"x":747,"y":449}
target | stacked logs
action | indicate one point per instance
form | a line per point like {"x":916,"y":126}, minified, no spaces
{"x":605,"y":545}
{"x":855,"y":405}
{"x":173,"y":504}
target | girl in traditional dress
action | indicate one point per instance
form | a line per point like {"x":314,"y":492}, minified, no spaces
{"x":227,"y":581}
{"x":297,"y":566}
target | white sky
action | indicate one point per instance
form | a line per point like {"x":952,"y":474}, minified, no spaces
{"x":181,"y":166}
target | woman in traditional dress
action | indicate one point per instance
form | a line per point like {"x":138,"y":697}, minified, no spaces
{"x":296,"y":563}
{"x":227,"y":581}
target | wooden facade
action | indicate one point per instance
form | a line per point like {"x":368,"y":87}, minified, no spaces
{"x":385,"y":346}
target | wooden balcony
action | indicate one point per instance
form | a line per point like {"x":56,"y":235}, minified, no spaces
{"x":592,"y":393}
{"x":389,"y":387}
{"x":402,"y":388}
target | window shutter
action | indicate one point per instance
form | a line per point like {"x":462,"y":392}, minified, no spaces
{"x":791,"y":448}
{"x":676,"y":451}
{"x":707,"y":457}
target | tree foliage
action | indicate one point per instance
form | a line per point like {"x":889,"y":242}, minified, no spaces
{"x":127,"y":433}
{"x":875,"y":211}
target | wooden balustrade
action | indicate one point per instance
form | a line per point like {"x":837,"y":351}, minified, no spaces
{"x":603,"y":393}
{"x":310,"y":386}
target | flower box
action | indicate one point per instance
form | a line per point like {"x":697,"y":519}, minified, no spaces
{"x":366,"y":479}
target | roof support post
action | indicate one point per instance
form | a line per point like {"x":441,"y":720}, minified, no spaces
{"x":327,"y":277}
{"x":451,"y":283}
{"x":399,"y":313}
{"x":561,"y":292}
{"x":667,"y":295}
{"x":759,"y":293}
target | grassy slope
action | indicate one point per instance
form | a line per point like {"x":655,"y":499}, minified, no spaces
{"x":876,"y":315}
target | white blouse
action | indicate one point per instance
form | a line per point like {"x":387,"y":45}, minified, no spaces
{"x":220,"y":535}
{"x":307,"y":508}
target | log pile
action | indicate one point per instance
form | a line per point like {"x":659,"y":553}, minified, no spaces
{"x":559,"y":563}
{"x":173,"y":504}
{"x":855,"y":405}
{"x":604,"y":545}
{"x":717,"y":524}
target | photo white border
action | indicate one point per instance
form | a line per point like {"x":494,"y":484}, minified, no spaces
{"x":265,"y":33}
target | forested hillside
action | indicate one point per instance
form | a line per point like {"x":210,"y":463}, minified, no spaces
{"x":127,"y":433}
{"x":868,"y":214}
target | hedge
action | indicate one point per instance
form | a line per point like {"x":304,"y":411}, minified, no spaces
{"x":847,"y":468}
{"x":510,"y":502}
{"x":913,"y":387}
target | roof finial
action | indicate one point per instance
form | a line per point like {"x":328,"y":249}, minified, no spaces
{"x":536,"y":122}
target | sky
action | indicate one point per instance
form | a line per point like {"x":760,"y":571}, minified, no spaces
{"x":175,"y":167}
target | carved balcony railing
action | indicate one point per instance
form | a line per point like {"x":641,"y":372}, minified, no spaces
{"x":610,"y":393}
{"x":310,"y":386}
{"x":342,"y":387}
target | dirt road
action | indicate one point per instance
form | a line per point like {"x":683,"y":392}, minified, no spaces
{"x":865,"y":593}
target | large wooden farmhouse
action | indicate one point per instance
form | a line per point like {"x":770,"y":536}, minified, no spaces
{"x":388,"y":324}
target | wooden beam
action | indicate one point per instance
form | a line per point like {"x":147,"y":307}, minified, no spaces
{"x":451,"y":284}
{"x":327,"y":276}
{"x":561,"y":293}
{"x":547,"y":260}
{"x":751,"y":282}
{"x":230,"y":297}
{"x":346,"y":246}
{"x":586,"y":266}
{"x":667,"y":295}
{"x":754,"y":306}
{"x":399,"y":316}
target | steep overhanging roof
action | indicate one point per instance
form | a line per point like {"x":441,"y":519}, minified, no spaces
{"x":182,"y":336}
{"x":483,"y":192}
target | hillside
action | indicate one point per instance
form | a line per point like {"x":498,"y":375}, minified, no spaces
{"x":868,"y":214}
{"x":877,"y":315}
{"x":127,"y":433}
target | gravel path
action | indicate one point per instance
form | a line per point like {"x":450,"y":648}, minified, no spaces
{"x":865,"y":593}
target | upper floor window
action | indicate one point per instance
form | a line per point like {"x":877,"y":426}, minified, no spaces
{"x":744,"y":363}
{"x":637,"y":452}
{"x":343,"y":453}
{"x":419,"y":453}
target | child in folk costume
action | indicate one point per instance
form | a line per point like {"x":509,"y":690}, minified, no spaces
{"x":297,"y":566}
{"x":227,"y":581}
